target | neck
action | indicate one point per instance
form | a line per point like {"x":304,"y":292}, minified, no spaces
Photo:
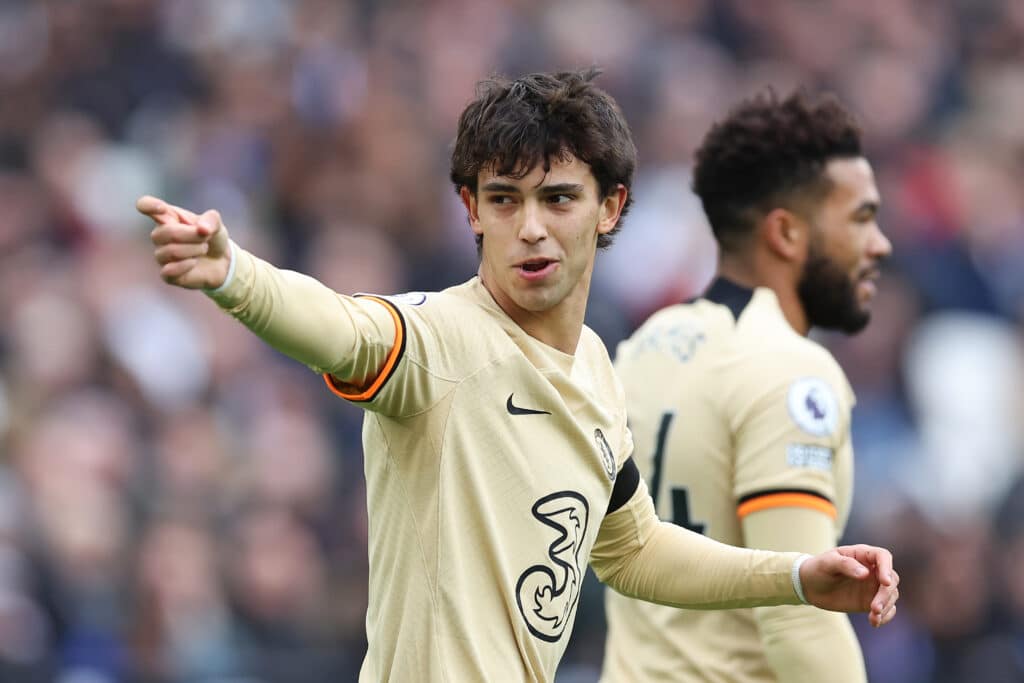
{"x":560,"y":326}
{"x":752,"y":270}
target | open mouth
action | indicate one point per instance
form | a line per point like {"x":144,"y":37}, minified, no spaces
{"x":535,"y":265}
{"x":537,"y":269}
{"x":872,"y":272}
{"x":867,"y":284}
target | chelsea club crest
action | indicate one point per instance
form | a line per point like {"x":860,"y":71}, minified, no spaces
{"x":607,"y":457}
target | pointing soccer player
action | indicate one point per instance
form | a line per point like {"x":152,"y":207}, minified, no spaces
{"x":742,"y":424}
{"x":497,"y":458}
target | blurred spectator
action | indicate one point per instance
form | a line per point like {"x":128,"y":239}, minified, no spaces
{"x":182,"y":628}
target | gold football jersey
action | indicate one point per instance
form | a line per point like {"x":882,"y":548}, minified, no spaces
{"x":490,"y":459}
{"x":732,"y":412}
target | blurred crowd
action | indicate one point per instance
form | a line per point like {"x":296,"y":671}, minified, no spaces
{"x":178,"y":504}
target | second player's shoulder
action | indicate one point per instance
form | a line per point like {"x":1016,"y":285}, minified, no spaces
{"x":800,"y":356}
{"x":797,"y":380}
{"x":768,"y":357}
{"x":675,"y":332}
{"x":773,"y":365}
{"x":764,"y":339}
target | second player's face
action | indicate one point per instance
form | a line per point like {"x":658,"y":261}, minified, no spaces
{"x":540,"y":234}
{"x":838,"y":281}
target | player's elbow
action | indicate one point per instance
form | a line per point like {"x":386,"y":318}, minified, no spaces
{"x":618,"y":573}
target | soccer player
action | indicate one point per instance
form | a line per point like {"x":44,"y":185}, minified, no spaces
{"x":497,"y":456}
{"x":741,"y":423}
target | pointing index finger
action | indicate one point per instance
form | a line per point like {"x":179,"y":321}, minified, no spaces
{"x":151,"y":206}
{"x":162,"y":212}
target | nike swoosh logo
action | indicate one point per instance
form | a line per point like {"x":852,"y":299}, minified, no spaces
{"x":516,"y":410}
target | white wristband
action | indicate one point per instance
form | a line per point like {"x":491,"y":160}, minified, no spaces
{"x":798,"y":585}
{"x":231,"y":272}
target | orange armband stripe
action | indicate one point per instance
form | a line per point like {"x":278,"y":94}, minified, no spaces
{"x":394,"y":356}
{"x":778,"y":498}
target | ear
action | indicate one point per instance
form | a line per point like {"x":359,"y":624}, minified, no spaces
{"x":611,"y":209}
{"x":786,"y":235}
{"x":469,"y":201}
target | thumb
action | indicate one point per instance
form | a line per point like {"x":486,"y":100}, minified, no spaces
{"x":209,"y":223}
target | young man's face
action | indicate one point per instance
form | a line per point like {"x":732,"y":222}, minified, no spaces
{"x":838,"y":280}
{"x":540,"y":234}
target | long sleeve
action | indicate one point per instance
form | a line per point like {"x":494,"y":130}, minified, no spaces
{"x":642,"y":557}
{"x":348,"y":338}
{"x":803,"y":645}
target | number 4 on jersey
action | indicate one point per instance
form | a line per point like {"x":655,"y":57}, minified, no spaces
{"x":680,"y":498}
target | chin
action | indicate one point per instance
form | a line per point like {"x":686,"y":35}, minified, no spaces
{"x":537,"y":303}
{"x":856,"y":323}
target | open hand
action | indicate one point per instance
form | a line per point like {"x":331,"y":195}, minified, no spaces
{"x":193,"y":251}
{"x":853,"y":578}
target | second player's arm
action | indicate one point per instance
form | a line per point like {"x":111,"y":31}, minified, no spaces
{"x":790,"y":502}
{"x":803,"y":644}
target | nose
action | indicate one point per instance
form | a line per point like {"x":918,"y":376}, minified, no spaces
{"x":879,"y":246}
{"x":531,"y":227}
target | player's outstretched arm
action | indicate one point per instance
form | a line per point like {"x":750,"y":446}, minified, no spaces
{"x":853,"y":578}
{"x":296,"y":314}
{"x":193,"y":251}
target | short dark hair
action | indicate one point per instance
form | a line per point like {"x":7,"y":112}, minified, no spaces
{"x":768,"y":153}
{"x":514,"y":125}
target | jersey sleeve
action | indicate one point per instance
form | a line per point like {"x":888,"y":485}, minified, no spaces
{"x":802,"y":644}
{"x":418,"y":368}
{"x":357,"y":343}
{"x":791,"y":418}
{"x":642,"y":557}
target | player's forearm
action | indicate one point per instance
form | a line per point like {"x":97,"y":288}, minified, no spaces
{"x":809,"y":645}
{"x":641,"y":557}
{"x":302,"y":318}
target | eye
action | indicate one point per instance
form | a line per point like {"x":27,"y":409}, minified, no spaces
{"x":499,"y":199}
{"x":560,"y":198}
{"x":867,"y":214}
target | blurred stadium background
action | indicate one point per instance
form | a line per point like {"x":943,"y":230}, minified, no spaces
{"x":179,"y":504}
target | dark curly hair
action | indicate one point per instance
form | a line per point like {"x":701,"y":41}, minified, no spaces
{"x":514,"y":125}
{"x":769,"y":153}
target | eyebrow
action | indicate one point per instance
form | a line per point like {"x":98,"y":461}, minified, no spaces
{"x":495,"y":186}
{"x":560,"y":188}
